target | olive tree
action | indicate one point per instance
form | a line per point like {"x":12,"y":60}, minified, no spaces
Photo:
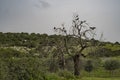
{"x":83,"y":33}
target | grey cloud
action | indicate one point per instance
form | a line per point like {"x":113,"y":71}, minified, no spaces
{"x":41,"y":4}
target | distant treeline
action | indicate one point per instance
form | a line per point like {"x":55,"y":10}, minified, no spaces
{"x":24,"y":39}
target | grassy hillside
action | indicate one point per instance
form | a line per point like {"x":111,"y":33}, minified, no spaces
{"x":33,"y":56}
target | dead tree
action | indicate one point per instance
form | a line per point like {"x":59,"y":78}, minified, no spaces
{"x":83,"y":34}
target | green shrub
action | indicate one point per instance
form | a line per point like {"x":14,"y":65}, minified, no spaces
{"x":3,"y":70}
{"x":111,"y":64}
{"x":53,"y":76}
{"x":66,"y":74}
{"x":88,"y":66}
{"x":8,"y":53}
{"x":104,"y":52}
{"x":22,"y":69}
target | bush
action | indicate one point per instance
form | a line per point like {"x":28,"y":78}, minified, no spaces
{"x":111,"y":65}
{"x":66,"y":74}
{"x":8,"y":53}
{"x":3,"y":70}
{"x":88,"y":66}
{"x":52,"y":76}
{"x":22,"y":69}
{"x":104,"y":52}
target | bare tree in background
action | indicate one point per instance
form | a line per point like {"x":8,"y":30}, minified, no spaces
{"x":83,"y":34}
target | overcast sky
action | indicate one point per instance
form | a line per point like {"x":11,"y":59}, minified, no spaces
{"x":40,"y":16}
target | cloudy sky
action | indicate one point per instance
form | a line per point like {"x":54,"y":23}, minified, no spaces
{"x":40,"y":16}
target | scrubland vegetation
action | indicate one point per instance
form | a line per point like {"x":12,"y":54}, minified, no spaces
{"x":33,"y":56}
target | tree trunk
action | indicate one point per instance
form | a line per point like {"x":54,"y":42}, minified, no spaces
{"x":76,"y":65}
{"x":62,"y":61}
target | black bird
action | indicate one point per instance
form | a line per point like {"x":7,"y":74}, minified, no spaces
{"x":77,"y":18}
{"x":63,"y":27}
{"x":54,"y":27}
{"x":82,"y":22}
{"x":92,"y":28}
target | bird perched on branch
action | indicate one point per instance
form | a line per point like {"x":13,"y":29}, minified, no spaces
{"x":82,"y":22}
{"x":77,"y":18}
{"x":92,"y":28}
{"x":54,"y":27}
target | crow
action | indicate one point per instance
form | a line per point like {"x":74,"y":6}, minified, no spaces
{"x":54,"y":27}
{"x":92,"y":28}
{"x":77,"y":19}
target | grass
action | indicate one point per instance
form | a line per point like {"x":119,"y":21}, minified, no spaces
{"x":95,"y":75}
{"x":101,"y":73}
{"x":97,"y":78}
